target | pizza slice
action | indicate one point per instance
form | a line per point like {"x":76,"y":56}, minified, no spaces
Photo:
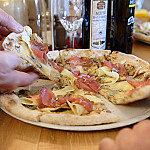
{"x":32,"y":51}
{"x":58,"y":106}
{"x":124,"y":92}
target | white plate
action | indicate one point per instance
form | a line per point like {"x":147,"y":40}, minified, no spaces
{"x":129,"y":114}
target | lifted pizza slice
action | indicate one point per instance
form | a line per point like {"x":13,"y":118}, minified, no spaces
{"x":32,"y":51}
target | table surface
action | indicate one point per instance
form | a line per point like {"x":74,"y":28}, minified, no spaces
{"x":17,"y":135}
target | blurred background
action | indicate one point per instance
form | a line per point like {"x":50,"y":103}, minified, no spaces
{"x":37,"y":14}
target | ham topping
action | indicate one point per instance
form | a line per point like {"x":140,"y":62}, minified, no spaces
{"x":46,"y":98}
{"x":87,"y":83}
{"x":74,"y":70}
{"x":84,"y":81}
{"x":116,"y":67}
{"x":136,"y":84}
{"x":86,"y":103}
{"x":55,"y":66}
{"x":39,"y":46}
{"x":40,"y":51}
{"x":79,"y":61}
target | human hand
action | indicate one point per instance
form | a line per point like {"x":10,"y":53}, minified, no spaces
{"x":11,"y":78}
{"x":137,"y":138}
{"x":7,"y":25}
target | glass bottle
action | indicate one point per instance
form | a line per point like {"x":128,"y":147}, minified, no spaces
{"x":60,"y":35}
{"x":95,"y":24}
{"x":120,"y":23}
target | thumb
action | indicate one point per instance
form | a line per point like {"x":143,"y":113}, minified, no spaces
{"x":9,"y":22}
{"x":24,"y":79}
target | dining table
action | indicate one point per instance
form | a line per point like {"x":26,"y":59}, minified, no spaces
{"x":19,"y":135}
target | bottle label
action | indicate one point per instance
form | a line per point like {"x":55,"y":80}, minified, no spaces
{"x":132,"y":3}
{"x":131,"y":20}
{"x":98,"y":24}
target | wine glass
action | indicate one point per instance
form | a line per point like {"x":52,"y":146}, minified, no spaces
{"x":71,"y":16}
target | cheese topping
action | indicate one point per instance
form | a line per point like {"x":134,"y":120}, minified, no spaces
{"x":77,"y":108}
{"x":29,"y":101}
{"x":63,"y":91}
{"x":69,"y":75}
{"x":106,"y":70}
{"x":93,"y":98}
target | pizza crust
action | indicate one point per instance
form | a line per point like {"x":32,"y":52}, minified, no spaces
{"x":68,"y":119}
{"x":138,"y":94}
{"x":131,"y":61}
{"x":66,"y":53}
{"x":11,"y":103}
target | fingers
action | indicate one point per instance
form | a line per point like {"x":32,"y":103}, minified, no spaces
{"x":8,"y":60}
{"x":107,"y":144}
{"x":4,"y":31}
{"x":10,"y":78}
{"x":23,"y":78}
{"x":142,"y":127}
{"x":142,"y":130}
{"x":127,"y":140}
{"x":137,"y":138}
{"x":16,"y":79}
{"x":9,"y":22}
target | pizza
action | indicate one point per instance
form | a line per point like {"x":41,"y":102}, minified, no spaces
{"x":142,"y":32}
{"x":84,"y":80}
{"x":32,"y":51}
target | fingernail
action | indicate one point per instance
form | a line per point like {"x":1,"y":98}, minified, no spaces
{"x":20,"y":28}
{"x":36,"y":76}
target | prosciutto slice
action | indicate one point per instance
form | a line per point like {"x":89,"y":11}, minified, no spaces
{"x":116,"y":67}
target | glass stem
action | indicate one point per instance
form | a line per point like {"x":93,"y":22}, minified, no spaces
{"x":71,"y":39}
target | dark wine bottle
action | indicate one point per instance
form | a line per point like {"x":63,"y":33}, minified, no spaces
{"x":86,"y":25}
{"x":120,"y":25}
{"x":94,"y":24}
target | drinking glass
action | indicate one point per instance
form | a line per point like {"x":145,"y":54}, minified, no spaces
{"x":37,"y":18}
{"x":71,"y":16}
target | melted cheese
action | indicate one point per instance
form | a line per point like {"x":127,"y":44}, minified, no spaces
{"x":29,"y":101}
{"x":120,"y":86}
{"x":77,"y":108}
{"x":63,"y":91}
{"x":69,"y":75}
{"x":81,"y":69}
{"x":93,"y":98}
{"x":107,"y":71}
